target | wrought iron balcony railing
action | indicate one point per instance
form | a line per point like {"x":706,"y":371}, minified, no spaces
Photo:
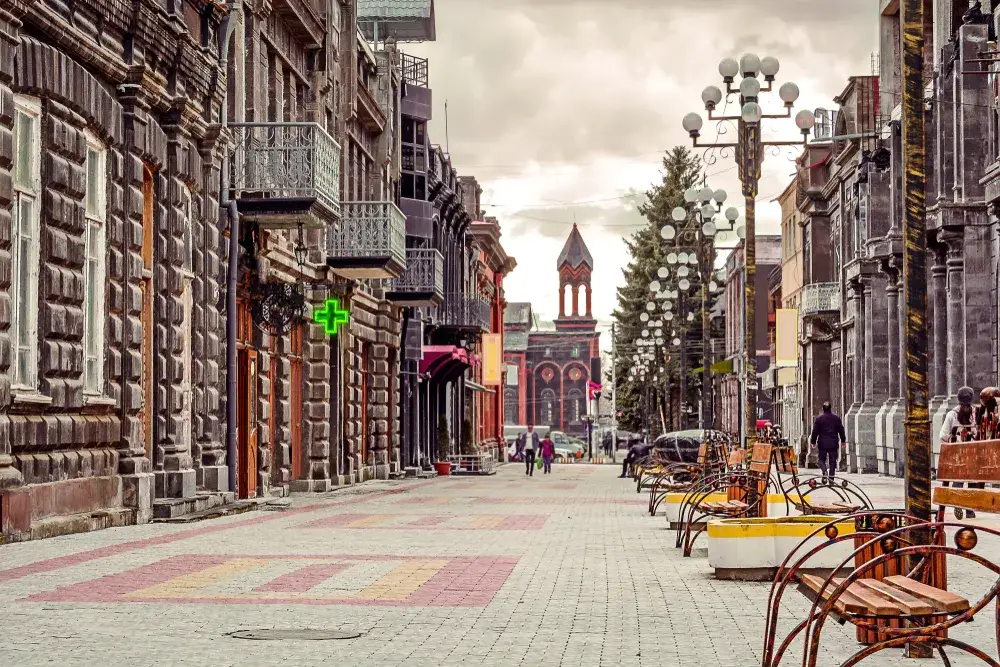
{"x":285,"y":174}
{"x":370,"y":241}
{"x":415,"y":70}
{"x":462,"y":311}
{"x":819,"y":299}
{"x":423,"y":282}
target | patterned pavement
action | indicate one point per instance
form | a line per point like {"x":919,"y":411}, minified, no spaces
{"x":566,"y":569}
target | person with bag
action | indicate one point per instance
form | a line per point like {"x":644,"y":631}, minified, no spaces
{"x":960,"y":426}
{"x":548,"y":450}
{"x":528,"y":442}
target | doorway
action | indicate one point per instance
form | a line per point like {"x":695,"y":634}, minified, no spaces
{"x":246,"y":412}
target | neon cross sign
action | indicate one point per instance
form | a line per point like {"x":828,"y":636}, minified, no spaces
{"x":331,"y":316}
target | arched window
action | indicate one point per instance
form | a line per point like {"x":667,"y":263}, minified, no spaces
{"x":548,"y":406}
{"x":575,"y":398}
{"x":510,"y":406}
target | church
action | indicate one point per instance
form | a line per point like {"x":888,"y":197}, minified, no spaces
{"x":549,"y":369}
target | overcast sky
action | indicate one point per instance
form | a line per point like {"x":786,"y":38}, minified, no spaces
{"x":562,"y":108}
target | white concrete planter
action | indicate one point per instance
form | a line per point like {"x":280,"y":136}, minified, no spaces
{"x":753,"y":549}
{"x":671,"y":505}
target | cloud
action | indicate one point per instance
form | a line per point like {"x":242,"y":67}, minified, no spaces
{"x":552,"y":102}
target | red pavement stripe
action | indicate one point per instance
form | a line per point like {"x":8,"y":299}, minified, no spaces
{"x":69,"y":560}
{"x":302,"y":580}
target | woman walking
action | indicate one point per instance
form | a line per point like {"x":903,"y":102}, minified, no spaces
{"x":548,"y":453}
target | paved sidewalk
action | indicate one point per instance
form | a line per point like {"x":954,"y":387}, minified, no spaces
{"x":565,"y":569}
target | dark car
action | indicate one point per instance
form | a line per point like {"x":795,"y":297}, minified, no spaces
{"x":680,"y":446}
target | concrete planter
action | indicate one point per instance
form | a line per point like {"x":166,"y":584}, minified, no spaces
{"x":753,"y":549}
{"x":776,"y":506}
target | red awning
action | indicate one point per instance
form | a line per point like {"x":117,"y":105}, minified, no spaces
{"x":444,"y":362}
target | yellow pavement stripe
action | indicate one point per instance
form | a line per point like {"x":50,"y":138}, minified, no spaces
{"x":187,"y":585}
{"x":402,"y":581}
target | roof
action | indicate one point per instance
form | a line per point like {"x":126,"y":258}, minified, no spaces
{"x":575,"y":252}
{"x":515,"y":341}
{"x":406,"y":20}
{"x":517,"y":313}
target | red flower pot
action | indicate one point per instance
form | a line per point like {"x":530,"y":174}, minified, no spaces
{"x":443,"y":468}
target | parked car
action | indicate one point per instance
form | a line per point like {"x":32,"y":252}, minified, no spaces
{"x":568,"y":443}
{"x":680,"y":446}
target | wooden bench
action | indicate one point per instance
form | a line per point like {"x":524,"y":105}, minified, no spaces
{"x":969,"y":463}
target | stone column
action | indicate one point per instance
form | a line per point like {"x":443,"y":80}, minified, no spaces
{"x":938,"y":298}
{"x":955,"y":266}
{"x":892,"y":291}
{"x":854,"y":339}
{"x":562,"y":300}
{"x":576,"y":300}
{"x":590,"y":312}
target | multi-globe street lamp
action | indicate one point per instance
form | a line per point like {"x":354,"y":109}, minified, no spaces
{"x":749,"y":153}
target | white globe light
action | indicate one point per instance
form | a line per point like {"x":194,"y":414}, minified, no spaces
{"x":659,"y":341}
{"x":675,"y":294}
{"x":708,"y":229}
{"x":707,"y":211}
{"x":711,"y":96}
{"x":679,"y":214}
{"x":720,"y":196}
{"x":805,"y":120}
{"x":690,"y":317}
{"x":662,"y":272}
{"x":741,"y":232}
{"x":644,"y":317}
{"x":668,"y":233}
{"x":650,"y":306}
{"x":667,"y":305}
{"x":677,"y":341}
{"x":712,"y":286}
{"x":684,"y":284}
{"x":750,"y":64}
{"x":692,"y":123}
{"x":683,"y":272}
{"x":769,"y":66}
{"x":682,"y":258}
{"x":645,"y":333}
{"x":729,"y":68}
{"x":672,"y":258}
{"x":693,"y":259}
{"x":750,"y":87}
{"x":732,"y":213}
{"x":691,"y":195}
{"x":659,"y":332}
{"x":669,"y":316}
{"x":706,"y":194}
{"x":654,"y":286}
{"x":788,"y":93}
{"x":752,"y":113}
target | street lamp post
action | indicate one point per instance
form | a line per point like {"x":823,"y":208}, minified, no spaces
{"x":749,"y":153}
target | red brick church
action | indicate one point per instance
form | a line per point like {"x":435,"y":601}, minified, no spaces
{"x":554,"y":365}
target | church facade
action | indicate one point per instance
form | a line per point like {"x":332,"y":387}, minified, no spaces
{"x":554,"y":366}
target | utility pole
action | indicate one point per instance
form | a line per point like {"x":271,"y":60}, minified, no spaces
{"x":614,"y":395}
{"x":918,"y":440}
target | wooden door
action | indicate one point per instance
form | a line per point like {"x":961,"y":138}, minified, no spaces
{"x":247,"y":458}
{"x":298,"y":456}
{"x":146,"y":287}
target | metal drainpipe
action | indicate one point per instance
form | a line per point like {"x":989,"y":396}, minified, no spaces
{"x":232,"y":273}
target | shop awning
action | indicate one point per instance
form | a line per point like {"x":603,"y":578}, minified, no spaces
{"x":444,"y":362}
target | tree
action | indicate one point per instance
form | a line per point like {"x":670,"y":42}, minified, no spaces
{"x":443,"y":440}
{"x":637,"y":398}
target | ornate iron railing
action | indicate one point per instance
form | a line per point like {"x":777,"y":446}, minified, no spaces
{"x":424,"y":273}
{"x":415,"y":70}
{"x":369,"y":229}
{"x":285,"y":161}
{"x":464,"y":311}
{"x":820,"y":298}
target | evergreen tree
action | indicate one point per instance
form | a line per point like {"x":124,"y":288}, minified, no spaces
{"x":637,"y":398}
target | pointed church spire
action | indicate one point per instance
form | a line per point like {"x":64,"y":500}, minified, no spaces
{"x":575,"y":252}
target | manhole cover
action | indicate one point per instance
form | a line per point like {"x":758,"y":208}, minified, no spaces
{"x":276,"y":634}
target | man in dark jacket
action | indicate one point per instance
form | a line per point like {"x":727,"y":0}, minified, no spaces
{"x":827,"y":434}
{"x":636,"y":452}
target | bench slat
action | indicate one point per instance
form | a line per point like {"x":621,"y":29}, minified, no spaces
{"x":941,"y":600}
{"x":909,"y":604}
{"x":847,"y":603}
{"x":980,"y":500}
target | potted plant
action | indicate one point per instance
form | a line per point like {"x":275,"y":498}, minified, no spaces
{"x":443,"y":465}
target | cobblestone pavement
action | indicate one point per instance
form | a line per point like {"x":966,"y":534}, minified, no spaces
{"x":566,"y":569}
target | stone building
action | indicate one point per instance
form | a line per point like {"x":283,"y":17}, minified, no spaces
{"x":787,"y":382}
{"x":554,"y":366}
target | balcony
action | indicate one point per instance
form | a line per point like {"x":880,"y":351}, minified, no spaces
{"x":370,"y":241}
{"x":283,"y":175}
{"x":461,"y":311}
{"x":415,"y":70}
{"x":423,"y":282}
{"x":820,"y":299}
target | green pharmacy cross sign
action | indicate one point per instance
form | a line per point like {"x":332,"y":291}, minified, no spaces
{"x":331,"y":316}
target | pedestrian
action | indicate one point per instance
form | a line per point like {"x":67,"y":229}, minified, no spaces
{"x":960,"y":426}
{"x":827,"y":435}
{"x":528,"y":444}
{"x":636,"y":452}
{"x":548,"y":451}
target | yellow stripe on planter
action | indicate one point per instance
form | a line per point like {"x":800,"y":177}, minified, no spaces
{"x":785,"y":526}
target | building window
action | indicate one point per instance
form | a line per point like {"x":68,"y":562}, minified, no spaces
{"x":548,"y":352}
{"x":25,"y":248}
{"x":187,"y":211}
{"x":575,"y":406}
{"x":548,"y":407}
{"x":94,"y":268}
{"x":575,"y":352}
{"x":510,"y":406}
